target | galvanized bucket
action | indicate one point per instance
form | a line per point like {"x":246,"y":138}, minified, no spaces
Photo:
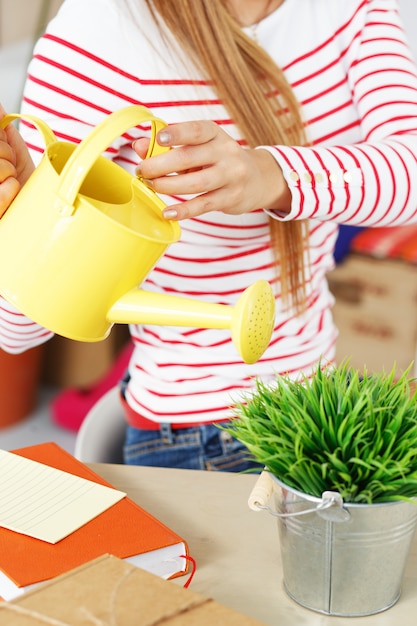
{"x":342,"y":559}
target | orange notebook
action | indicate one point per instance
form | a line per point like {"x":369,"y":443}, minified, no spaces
{"x":124,"y":530}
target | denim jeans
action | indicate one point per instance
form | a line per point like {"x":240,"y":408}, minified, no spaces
{"x":200,"y":448}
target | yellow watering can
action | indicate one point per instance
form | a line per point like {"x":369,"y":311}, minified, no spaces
{"x":82,"y":235}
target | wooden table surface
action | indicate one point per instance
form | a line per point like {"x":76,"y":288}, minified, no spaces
{"x":236,"y":549}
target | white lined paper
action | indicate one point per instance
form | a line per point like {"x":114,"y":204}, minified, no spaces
{"x":46,"y":503}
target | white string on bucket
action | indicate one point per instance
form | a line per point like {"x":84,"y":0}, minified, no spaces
{"x":330,"y":507}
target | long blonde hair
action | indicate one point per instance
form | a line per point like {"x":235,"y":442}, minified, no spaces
{"x":257,"y":97}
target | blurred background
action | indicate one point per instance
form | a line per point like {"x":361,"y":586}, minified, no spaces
{"x":21,"y":22}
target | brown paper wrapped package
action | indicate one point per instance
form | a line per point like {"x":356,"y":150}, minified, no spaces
{"x":111,"y":592}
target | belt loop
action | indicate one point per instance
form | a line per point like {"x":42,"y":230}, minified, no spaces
{"x":166,"y":432}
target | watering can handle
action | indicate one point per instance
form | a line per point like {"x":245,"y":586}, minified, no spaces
{"x":330,"y":507}
{"x":86,"y":153}
{"x":43,"y":128}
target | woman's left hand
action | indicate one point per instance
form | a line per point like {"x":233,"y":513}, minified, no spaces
{"x":9,"y":185}
{"x":207,"y":163}
{"x":15,"y":164}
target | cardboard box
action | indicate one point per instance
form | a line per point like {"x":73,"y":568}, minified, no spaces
{"x":376,"y":312}
{"x":109,"y":591}
{"x":77,"y":364}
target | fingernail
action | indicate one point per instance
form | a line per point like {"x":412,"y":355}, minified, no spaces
{"x":138,"y":170}
{"x":164,"y":137}
{"x":147,"y":182}
{"x":170,"y":214}
{"x":133,"y":144}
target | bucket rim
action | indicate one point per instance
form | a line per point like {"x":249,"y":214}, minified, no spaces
{"x":356,"y":505}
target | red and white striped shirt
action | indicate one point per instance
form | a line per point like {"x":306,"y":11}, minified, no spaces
{"x":352,"y":71}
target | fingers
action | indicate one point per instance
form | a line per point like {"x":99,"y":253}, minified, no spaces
{"x":141,"y":147}
{"x":181,"y":134}
{"x":7,"y":160}
{"x":193,"y":150}
{"x":6,"y":151}
{"x":195,"y":165}
{"x":204,"y":203}
{"x":9,"y":188}
{"x":208,"y":165}
{"x":188,"y":133}
{"x":16,"y":151}
{"x":7,"y":170}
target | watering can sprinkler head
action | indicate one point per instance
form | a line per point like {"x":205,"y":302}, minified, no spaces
{"x":250,"y":320}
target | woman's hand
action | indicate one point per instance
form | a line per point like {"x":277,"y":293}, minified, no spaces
{"x":15,"y":164}
{"x":207,"y":162}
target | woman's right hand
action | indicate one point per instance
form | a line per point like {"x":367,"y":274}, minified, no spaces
{"x":16,"y":164}
{"x":212,"y":167}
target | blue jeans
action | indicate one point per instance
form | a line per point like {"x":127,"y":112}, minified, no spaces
{"x":199,"y":448}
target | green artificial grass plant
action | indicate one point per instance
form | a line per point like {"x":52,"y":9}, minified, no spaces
{"x":339,"y":430}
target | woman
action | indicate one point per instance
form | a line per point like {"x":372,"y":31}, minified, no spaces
{"x":286,"y":119}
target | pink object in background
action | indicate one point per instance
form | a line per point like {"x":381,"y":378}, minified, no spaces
{"x":70,"y":406}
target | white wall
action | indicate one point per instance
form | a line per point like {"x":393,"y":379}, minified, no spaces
{"x":408,"y":10}
{"x":16,"y":41}
{"x":19,"y":19}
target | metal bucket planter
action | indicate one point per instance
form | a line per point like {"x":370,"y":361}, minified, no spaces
{"x":339,"y":558}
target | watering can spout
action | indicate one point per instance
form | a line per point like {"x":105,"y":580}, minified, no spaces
{"x":251,"y":320}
